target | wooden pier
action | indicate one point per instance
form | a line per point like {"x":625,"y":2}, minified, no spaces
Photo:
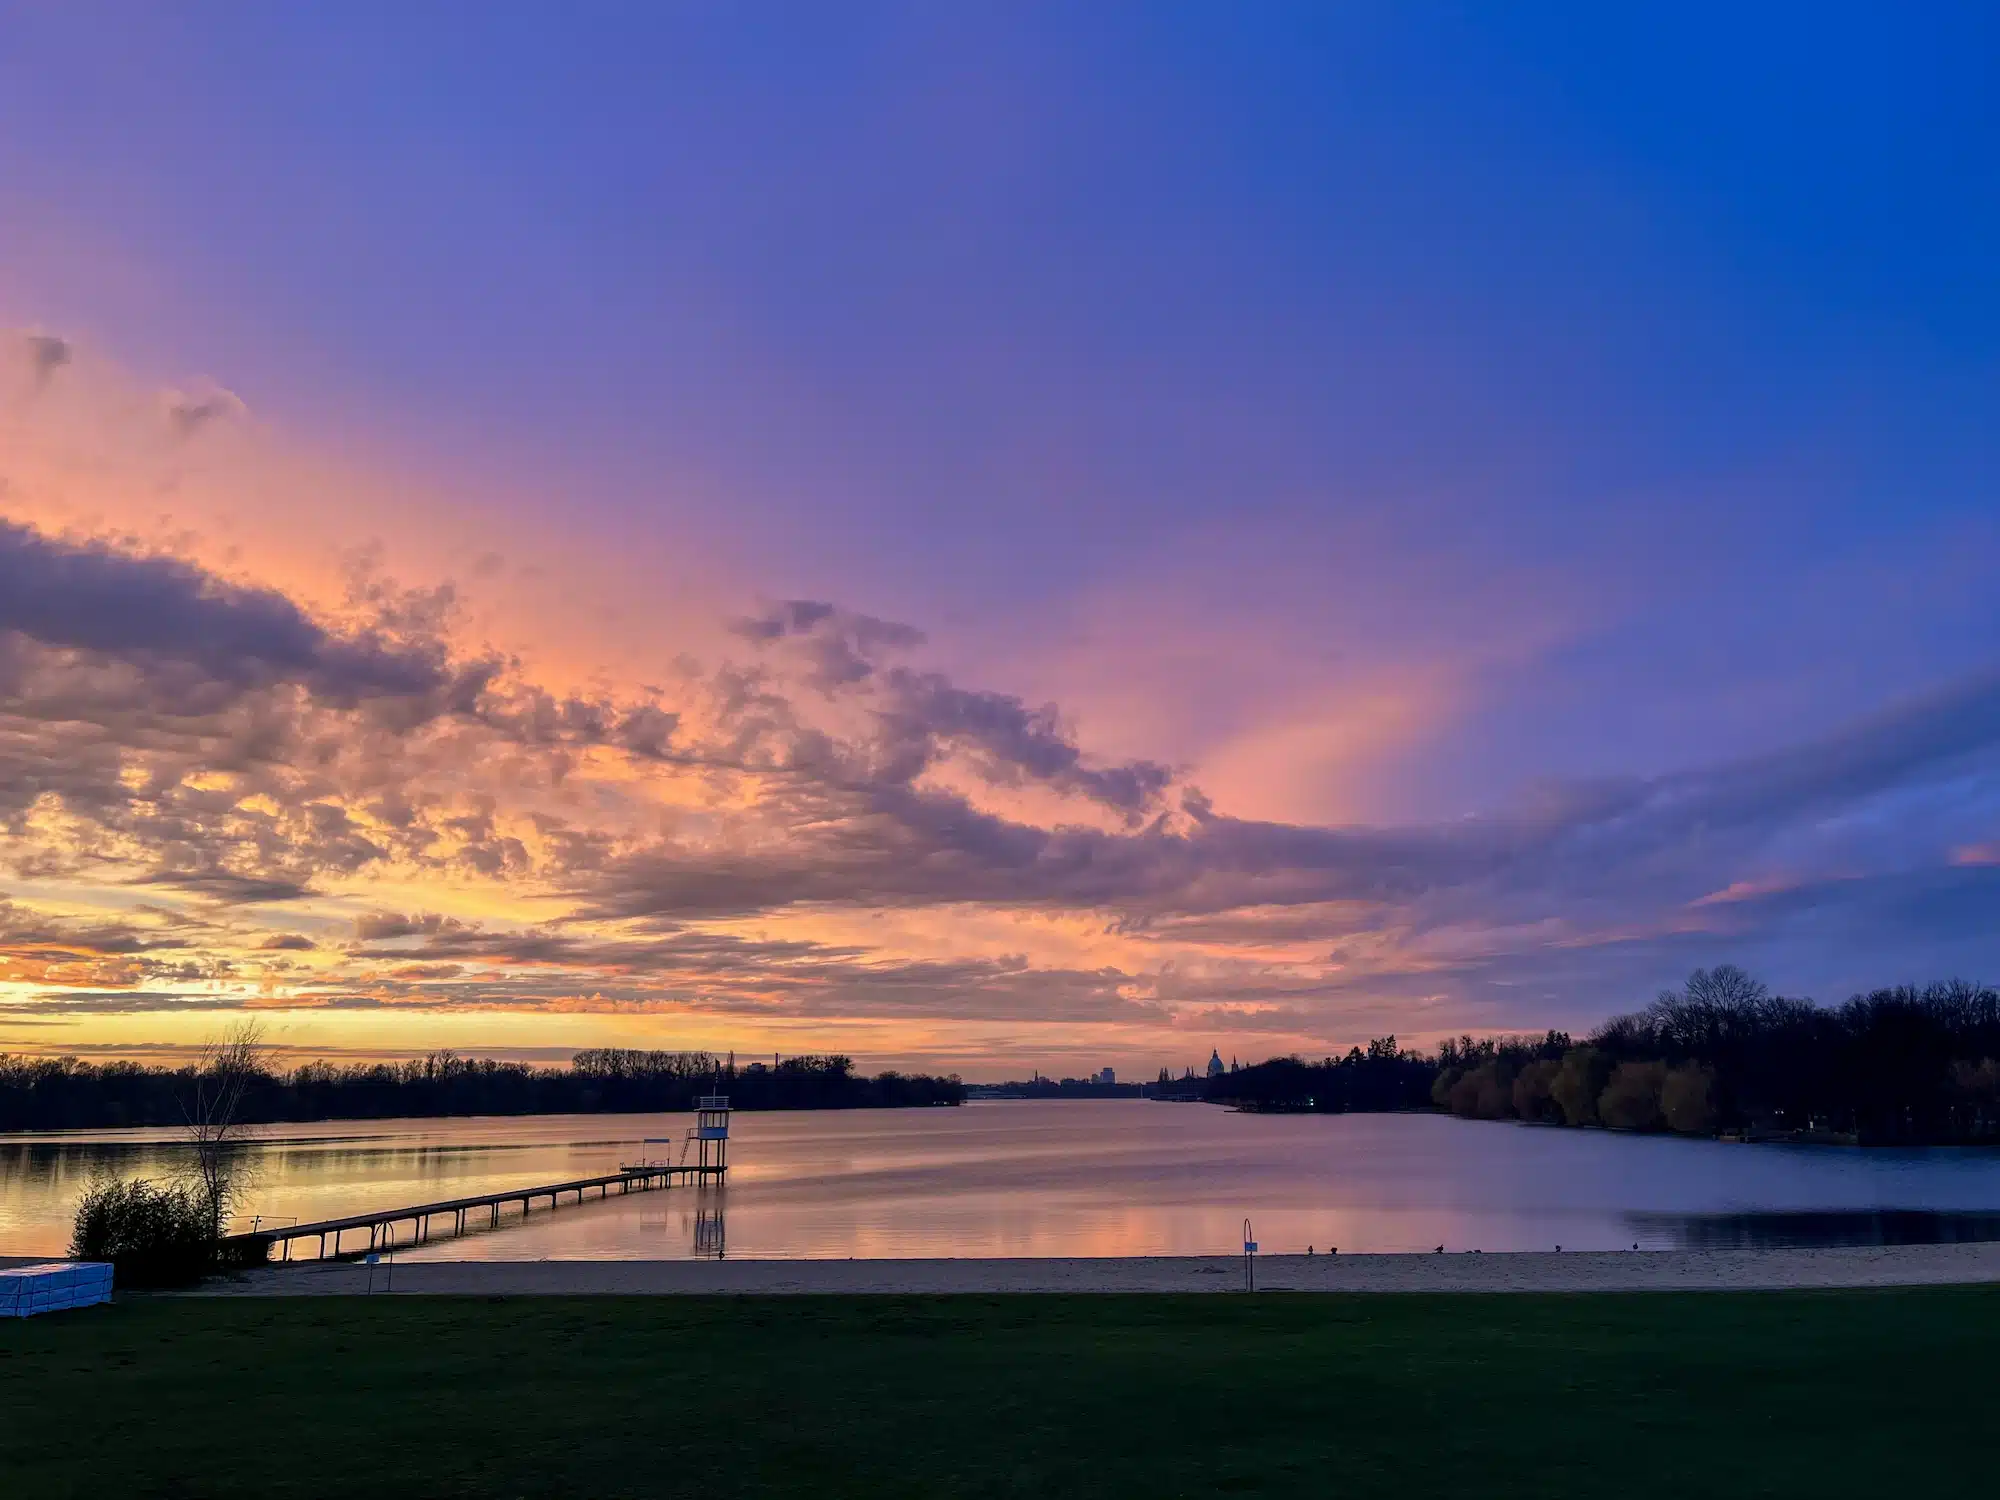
{"x":256,"y":1246}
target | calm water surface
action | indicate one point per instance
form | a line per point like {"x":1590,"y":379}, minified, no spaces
{"x":1085,"y":1177}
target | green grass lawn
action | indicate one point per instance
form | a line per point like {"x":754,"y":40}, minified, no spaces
{"x":1689,"y":1396}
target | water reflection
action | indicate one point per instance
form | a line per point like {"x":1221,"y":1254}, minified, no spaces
{"x":1759,"y":1231}
{"x":710,"y":1239}
{"x":1101,"y":1177}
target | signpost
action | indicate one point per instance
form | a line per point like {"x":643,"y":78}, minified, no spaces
{"x":386,"y":1259}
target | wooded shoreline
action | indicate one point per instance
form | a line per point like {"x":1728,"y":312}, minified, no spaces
{"x":1721,"y":1057}
{"x":68,"y":1094}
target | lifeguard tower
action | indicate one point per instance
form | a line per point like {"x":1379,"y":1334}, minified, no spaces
{"x":707,"y":1140}
{"x":710,"y":1136}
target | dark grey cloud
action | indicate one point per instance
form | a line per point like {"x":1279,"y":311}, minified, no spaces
{"x":656,"y":948}
{"x":91,"y":597}
{"x":128,"y":682}
{"x":787,"y":617}
{"x":23,"y":930}
{"x":530,"y":716}
{"x":387,"y":926}
{"x":1627,"y":848}
{"x":431,"y":961}
{"x":922,"y":716}
{"x":117,"y":1002}
{"x":188,"y":415}
{"x":1010,"y":741}
{"x":842,"y":647}
{"x":46,"y":354}
{"x":226,"y":887}
{"x":1921,"y":735}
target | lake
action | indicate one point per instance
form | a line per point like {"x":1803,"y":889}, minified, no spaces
{"x":1083,"y":1177}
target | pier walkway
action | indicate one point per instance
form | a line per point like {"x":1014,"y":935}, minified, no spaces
{"x":255,"y":1246}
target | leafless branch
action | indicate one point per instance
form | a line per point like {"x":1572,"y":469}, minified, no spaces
{"x":211,"y":1112}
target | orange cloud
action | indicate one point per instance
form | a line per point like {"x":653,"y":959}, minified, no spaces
{"x":1748,"y":890}
{"x":407,"y":768}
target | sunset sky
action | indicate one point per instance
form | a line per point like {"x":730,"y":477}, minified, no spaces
{"x":988,"y":537}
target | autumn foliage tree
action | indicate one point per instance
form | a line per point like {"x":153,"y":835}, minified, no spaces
{"x":1723,"y":1053}
{"x":1631,"y":1099}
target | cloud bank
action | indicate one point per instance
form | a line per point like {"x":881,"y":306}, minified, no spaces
{"x":235,"y":796}
{"x":217,"y":792}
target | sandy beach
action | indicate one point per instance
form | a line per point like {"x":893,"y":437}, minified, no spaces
{"x":1623,"y":1271}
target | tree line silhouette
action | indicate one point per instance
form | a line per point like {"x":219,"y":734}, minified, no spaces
{"x":1908,"y":1066}
{"x":64,"y":1093}
{"x":1382,"y":1078}
{"x":1720,"y":1055}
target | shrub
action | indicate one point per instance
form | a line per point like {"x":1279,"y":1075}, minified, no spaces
{"x":1578,"y":1082}
{"x":1978,"y":1097}
{"x":1443,"y":1084}
{"x":1534,"y":1098}
{"x":154,"y":1235}
{"x":1485,"y":1093}
{"x":1631,"y":1100}
{"x":1687,"y":1099}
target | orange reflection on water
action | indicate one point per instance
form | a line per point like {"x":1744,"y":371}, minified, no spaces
{"x":1045,"y":1178}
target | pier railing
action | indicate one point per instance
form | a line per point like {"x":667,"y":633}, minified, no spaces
{"x":331,"y":1234}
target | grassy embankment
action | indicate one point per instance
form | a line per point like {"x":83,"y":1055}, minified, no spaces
{"x":1821,"y":1394}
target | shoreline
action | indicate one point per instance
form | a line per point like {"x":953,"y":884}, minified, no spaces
{"x":1461,"y":1272}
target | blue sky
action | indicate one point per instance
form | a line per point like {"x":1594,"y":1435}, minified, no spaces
{"x":1382,"y":416}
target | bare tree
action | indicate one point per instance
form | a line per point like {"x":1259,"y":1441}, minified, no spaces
{"x":212,"y":1108}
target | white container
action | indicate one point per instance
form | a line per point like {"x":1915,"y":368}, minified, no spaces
{"x":53,"y":1286}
